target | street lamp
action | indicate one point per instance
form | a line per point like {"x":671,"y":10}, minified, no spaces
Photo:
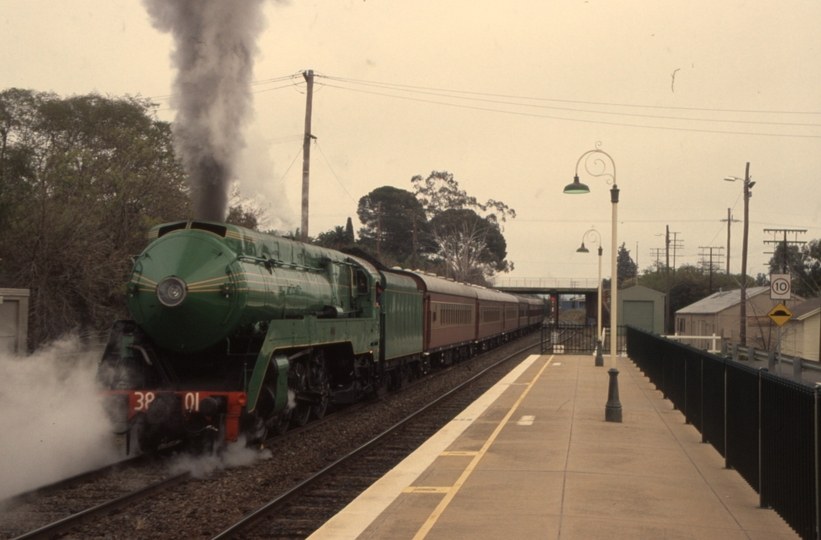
{"x":742,"y":333}
{"x":597,"y":239}
{"x":613,"y":409}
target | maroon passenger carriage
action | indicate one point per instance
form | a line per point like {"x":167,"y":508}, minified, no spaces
{"x":460,"y":319}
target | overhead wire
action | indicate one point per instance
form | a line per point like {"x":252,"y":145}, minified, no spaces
{"x":588,"y":121}
{"x":316,"y":143}
{"x":439,"y":93}
{"x":700,"y":109}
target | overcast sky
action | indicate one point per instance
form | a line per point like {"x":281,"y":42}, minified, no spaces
{"x":506,"y":96}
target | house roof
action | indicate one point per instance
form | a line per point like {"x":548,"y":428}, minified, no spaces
{"x":806,"y":309}
{"x":720,"y":301}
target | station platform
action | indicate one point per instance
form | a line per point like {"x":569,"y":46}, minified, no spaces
{"x":534,"y":458}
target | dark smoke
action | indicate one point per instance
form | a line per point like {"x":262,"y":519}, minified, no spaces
{"x":215,"y":45}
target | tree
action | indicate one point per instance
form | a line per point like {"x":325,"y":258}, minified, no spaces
{"x":625,"y":266}
{"x":349,"y":235}
{"x":470,"y":244}
{"x":242,"y":217}
{"x":803,"y":265}
{"x":387,"y":215}
{"x":689,"y":284}
{"x":82,"y":179}
{"x":336,"y":238}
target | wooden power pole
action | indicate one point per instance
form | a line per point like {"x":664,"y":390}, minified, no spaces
{"x":730,"y":222}
{"x":306,"y":153}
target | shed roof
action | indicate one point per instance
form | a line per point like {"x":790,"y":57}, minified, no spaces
{"x":806,"y":309}
{"x":639,"y":291}
{"x":718,"y":302}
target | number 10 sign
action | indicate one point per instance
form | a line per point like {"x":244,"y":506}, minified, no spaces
{"x":780,"y":286}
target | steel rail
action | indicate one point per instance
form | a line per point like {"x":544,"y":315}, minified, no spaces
{"x":263,"y":511}
{"x":27,"y":497}
{"x":76,"y":519}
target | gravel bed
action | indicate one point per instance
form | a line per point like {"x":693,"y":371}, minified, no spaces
{"x":44,"y":509}
{"x":242,"y":480}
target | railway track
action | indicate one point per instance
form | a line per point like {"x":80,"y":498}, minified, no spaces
{"x":53,"y":509}
{"x":141,"y":499}
{"x":306,"y":506}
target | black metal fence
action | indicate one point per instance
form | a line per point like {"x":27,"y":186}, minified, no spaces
{"x":567,"y":338}
{"x":766,"y":427}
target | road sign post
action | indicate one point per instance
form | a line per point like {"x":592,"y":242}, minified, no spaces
{"x":780,"y":315}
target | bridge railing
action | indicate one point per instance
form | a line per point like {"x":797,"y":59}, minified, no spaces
{"x":765,"y":426}
{"x":545,"y":283}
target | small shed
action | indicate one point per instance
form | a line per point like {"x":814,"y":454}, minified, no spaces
{"x":643,"y":308}
{"x":802,"y":332}
{"x":14,"y":316}
{"x":720,"y":314}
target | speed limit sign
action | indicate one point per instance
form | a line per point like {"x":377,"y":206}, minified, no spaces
{"x":780,"y":286}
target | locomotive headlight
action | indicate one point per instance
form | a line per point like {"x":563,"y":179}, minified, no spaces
{"x":171,"y":291}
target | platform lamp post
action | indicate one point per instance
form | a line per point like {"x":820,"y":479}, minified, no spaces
{"x":596,"y":238}
{"x":613,"y":412}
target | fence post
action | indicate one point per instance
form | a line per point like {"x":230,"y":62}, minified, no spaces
{"x":797,"y":367}
{"x":726,"y":441}
{"x":761,"y":503}
{"x":815,"y":466}
{"x":735,"y":352}
{"x":703,"y":436}
{"x":751,"y":354}
{"x":771,"y":361}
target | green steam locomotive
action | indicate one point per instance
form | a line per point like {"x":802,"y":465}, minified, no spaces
{"x":236,"y":332}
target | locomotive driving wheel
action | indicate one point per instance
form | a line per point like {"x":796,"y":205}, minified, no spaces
{"x":302,"y":411}
{"x":321,"y":383}
{"x":280,"y":425}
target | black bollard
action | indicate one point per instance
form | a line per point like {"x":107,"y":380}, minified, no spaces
{"x":612,"y":411}
{"x":599,"y":358}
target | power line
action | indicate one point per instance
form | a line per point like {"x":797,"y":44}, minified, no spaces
{"x":316,"y":143}
{"x":600,"y":122}
{"x":636,"y":115}
{"x":389,"y":85}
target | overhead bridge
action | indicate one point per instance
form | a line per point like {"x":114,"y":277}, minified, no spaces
{"x":554,"y":287}
{"x":551,"y":286}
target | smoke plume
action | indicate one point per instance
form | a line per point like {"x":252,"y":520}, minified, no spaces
{"x":53,"y":424}
{"x":215,"y":45}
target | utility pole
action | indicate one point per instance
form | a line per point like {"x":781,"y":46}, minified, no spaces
{"x":415,"y":256}
{"x":742,"y":335}
{"x":656,"y":252}
{"x":378,"y":231}
{"x":729,"y":221}
{"x":306,"y":152}
{"x":710,"y":263}
{"x":667,"y":304}
{"x":677,"y":245}
{"x":785,"y":243}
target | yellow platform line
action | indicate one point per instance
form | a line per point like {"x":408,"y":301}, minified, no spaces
{"x":451,"y":493}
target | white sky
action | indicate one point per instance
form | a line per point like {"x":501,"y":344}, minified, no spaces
{"x":596,"y":70}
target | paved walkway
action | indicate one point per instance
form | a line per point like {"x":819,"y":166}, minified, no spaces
{"x":534,"y":458}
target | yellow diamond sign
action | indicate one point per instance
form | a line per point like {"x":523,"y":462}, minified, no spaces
{"x":780,"y":314}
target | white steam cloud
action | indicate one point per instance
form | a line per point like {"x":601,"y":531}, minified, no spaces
{"x":235,"y":454}
{"x":215,"y":46}
{"x":53,"y":425}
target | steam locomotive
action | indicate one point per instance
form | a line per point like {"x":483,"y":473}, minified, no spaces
{"x":236,"y":332}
